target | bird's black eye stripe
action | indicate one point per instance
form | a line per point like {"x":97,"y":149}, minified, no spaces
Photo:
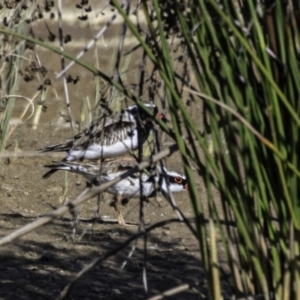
{"x":151,"y":178}
{"x":155,"y":110}
{"x":135,"y":111}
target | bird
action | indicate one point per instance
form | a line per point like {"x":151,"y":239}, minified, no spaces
{"x":129,"y":187}
{"x":109,"y":137}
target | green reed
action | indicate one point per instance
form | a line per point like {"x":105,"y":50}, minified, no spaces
{"x":11,"y":51}
{"x":246,"y":58}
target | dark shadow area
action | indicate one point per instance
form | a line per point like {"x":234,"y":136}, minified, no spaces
{"x":40,"y":264}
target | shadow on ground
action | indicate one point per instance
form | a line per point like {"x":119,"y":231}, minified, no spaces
{"x":39,"y":265}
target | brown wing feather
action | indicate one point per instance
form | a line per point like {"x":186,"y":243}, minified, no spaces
{"x":103,"y":131}
{"x":120,"y":165}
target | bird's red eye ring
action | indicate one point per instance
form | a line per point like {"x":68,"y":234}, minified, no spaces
{"x":178,"y":180}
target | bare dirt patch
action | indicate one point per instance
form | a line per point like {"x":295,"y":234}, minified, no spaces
{"x":41,"y":263}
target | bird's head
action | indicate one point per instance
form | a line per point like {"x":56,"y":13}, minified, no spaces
{"x":172,"y":181}
{"x":135,"y":111}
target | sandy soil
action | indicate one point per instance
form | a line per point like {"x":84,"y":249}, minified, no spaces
{"x":40,"y":264}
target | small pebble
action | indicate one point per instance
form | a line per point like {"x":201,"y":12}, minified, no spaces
{"x":154,"y":247}
{"x":116,"y":291}
{"x":166,"y":232}
{"x":114,"y":233}
{"x":106,"y":217}
{"x":180,"y":247}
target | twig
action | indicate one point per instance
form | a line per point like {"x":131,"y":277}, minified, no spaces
{"x":30,"y":154}
{"x":117,"y":76}
{"x":29,"y":104}
{"x":94,"y":191}
{"x":62,"y":61}
{"x":133,"y":247}
{"x":174,"y":291}
{"x":188,"y":286}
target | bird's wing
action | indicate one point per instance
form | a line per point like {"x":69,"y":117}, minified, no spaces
{"x":119,"y":165}
{"x":104,"y":131}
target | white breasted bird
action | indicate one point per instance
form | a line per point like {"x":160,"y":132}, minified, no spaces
{"x":109,"y":137}
{"x":128,"y":187}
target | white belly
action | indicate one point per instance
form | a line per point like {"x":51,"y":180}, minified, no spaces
{"x":130,"y":187}
{"x":95,"y":151}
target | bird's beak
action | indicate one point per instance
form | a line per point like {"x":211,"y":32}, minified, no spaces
{"x":162,"y":117}
{"x":186,"y":187}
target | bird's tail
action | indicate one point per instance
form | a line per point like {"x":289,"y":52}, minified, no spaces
{"x":49,"y":173}
{"x":58,"y":147}
{"x":56,"y":167}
